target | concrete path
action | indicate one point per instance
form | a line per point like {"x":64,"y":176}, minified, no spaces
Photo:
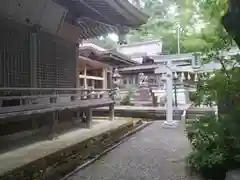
{"x":154,"y":153}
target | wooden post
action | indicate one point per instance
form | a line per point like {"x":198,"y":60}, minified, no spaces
{"x":110,"y":82}
{"x":85,"y":77}
{"x":89,"y":118}
{"x":24,"y":101}
{"x":111,"y":112}
{"x":76,"y":118}
{"x":73,"y":98}
{"x":93,"y":84}
{"x":104,"y":75}
{"x":77,"y":67}
{"x":55,"y":118}
{"x":77,"y":115}
{"x":34,"y":126}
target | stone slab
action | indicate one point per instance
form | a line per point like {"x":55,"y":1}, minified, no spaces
{"x":24,"y":155}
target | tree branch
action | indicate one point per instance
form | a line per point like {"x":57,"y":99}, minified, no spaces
{"x":224,"y":67}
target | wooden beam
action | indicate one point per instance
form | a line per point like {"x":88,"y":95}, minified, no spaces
{"x":55,"y":118}
{"x":91,"y":77}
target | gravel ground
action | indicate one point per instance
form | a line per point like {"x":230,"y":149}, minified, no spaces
{"x":155,"y":153}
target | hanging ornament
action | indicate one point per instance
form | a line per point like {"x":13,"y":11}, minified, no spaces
{"x":182,"y":76}
{"x":164,"y":85}
{"x":175,"y":75}
{"x":196,"y":77}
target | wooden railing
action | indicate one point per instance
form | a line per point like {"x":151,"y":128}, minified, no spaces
{"x":18,"y":104}
{"x":24,"y":96}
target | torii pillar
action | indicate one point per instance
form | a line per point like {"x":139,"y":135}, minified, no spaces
{"x":168,"y":78}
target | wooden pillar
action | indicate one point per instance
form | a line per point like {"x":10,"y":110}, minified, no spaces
{"x":85,"y":77}
{"x":111,"y":112}
{"x":89,"y":118}
{"x":93,"y":84}
{"x":127,"y":81}
{"x":77,"y":68}
{"x":135,"y":80}
{"x":78,"y":114}
{"x":104,"y":75}
{"x":110,"y":73}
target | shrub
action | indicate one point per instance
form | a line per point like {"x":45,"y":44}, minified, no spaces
{"x":215,"y":150}
{"x":126,"y":101}
{"x":192,"y":96}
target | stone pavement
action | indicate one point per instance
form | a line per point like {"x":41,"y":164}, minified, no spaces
{"x":154,"y":153}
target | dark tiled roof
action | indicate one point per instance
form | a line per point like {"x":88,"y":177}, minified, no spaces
{"x":110,"y":53}
{"x":99,"y":17}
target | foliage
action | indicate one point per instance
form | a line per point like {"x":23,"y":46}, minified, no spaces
{"x":216,"y":140}
{"x":199,"y":20}
{"x":213,"y":153}
{"x":192,"y":96}
{"x":126,"y":101}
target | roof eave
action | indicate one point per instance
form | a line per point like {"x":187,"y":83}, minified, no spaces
{"x":116,"y":57}
{"x":141,"y":17}
{"x":134,"y":16}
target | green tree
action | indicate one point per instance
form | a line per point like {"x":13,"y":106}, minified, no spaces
{"x":201,"y":29}
{"x":200,"y":22}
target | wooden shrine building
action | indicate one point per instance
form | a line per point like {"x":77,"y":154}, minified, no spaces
{"x":40,"y":64}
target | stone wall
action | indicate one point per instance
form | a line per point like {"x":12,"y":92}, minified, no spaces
{"x":143,"y":114}
{"x":60,"y":163}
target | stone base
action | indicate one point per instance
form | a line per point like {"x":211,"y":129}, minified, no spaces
{"x":233,"y":175}
{"x":170,"y":124}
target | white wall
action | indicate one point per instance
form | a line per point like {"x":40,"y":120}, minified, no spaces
{"x":182,"y":95}
{"x":141,"y":49}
